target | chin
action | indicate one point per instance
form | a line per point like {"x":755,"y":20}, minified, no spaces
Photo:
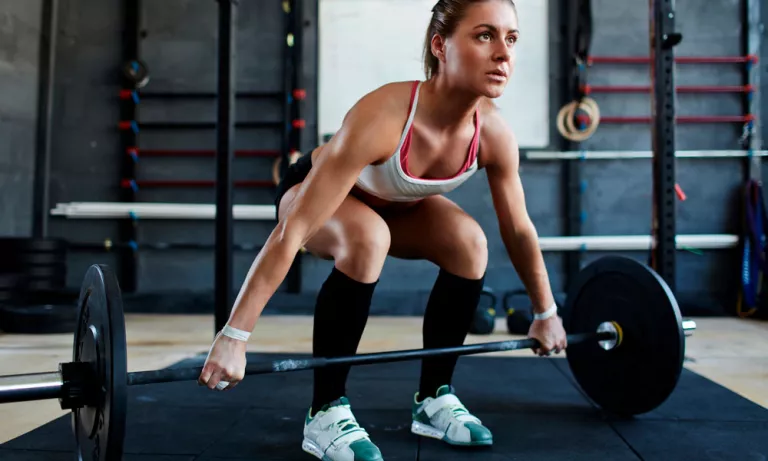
{"x":492,"y":91}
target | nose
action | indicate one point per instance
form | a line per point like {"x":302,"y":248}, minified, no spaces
{"x":502,"y":53}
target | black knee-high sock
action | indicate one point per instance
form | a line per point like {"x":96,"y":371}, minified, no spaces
{"x":341,"y":313}
{"x":450,"y":309}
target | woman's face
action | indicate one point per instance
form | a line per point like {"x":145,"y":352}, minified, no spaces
{"x":480,"y":55}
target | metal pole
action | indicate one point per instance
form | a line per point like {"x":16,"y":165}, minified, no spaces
{"x":292,"y":136}
{"x":753,"y":129}
{"x":46,"y":79}
{"x":663,"y":39}
{"x":225,"y":134}
{"x":129,"y":139}
{"x":572,"y":199}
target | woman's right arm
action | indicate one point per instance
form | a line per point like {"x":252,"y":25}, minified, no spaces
{"x":368,"y":134}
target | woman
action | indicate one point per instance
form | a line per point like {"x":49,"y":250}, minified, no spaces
{"x":375,"y":190}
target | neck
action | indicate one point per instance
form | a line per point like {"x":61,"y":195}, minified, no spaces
{"x":447,"y":105}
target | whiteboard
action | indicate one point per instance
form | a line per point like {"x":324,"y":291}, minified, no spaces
{"x":364,"y":44}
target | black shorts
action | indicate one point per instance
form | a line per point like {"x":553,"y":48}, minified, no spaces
{"x":296,"y":173}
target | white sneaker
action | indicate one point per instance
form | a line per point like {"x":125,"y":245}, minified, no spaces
{"x":334,"y":435}
{"x":445,"y":418}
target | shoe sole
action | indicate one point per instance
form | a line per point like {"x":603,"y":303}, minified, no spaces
{"x":431,"y":432}
{"x":312,"y":448}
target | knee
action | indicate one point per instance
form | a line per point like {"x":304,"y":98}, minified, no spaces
{"x":364,"y":250}
{"x":471,"y":251}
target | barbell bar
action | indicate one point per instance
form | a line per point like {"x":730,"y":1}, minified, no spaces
{"x":51,"y":385}
{"x":626,"y":344}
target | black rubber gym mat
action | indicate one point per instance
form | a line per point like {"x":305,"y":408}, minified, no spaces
{"x":532,"y":405}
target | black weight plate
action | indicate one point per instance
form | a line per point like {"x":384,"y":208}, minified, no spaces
{"x":642,"y":372}
{"x":63,"y":296}
{"x":43,"y":245}
{"x":8,"y":281}
{"x":40,"y":319}
{"x":99,"y":427}
{"x":43,"y":259}
{"x":51,"y":272}
{"x":32,"y":285}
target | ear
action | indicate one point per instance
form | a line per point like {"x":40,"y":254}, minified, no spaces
{"x":438,"y":47}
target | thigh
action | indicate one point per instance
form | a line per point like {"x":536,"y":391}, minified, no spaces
{"x":439,"y":231}
{"x":352,"y":226}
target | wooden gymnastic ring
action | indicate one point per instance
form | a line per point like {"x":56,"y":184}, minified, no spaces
{"x":565,"y":124}
{"x":293,"y":157}
{"x":593,"y":111}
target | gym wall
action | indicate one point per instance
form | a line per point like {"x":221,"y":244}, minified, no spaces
{"x":19,"y":39}
{"x":179,"y":48}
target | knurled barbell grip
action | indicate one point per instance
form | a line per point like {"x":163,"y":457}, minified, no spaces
{"x":43,"y":386}
{"x":287,"y":365}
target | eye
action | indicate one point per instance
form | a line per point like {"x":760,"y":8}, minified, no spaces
{"x":484,"y":36}
{"x":512,"y":39}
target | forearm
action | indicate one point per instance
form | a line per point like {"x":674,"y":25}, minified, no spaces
{"x":265,"y":275}
{"x":525,"y":255}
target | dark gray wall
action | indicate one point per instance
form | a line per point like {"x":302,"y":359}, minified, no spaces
{"x":19,"y":41}
{"x":179,"y":46}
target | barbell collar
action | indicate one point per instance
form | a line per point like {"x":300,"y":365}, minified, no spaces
{"x":32,"y":386}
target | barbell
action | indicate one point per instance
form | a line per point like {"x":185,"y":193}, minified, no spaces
{"x":626,"y":345}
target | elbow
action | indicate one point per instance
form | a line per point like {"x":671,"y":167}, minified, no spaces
{"x":521,"y":236}
{"x":522,"y":230}
{"x":290,"y":235}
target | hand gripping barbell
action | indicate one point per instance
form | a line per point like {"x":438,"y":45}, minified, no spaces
{"x":626,"y":345}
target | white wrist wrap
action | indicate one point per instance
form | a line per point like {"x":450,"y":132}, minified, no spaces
{"x":547,"y":314}
{"x":234,"y":333}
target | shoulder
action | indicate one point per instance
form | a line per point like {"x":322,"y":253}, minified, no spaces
{"x":376,"y":120}
{"x":498,"y":144}
{"x":384,"y":100}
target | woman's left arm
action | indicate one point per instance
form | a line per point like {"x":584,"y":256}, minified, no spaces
{"x":502,"y":160}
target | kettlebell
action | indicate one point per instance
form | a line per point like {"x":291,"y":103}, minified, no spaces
{"x":485,"y":314}
{"x":518,"y":319}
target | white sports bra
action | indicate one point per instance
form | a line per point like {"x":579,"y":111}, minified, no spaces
{"x":391,"y":181}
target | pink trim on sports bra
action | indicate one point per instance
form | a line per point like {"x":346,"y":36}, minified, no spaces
{"x":407,"y":144}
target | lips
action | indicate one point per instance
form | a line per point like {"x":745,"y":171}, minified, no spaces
{"x":499,"y":73}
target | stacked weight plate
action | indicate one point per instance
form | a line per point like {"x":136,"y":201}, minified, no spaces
{"x":33,"y":277}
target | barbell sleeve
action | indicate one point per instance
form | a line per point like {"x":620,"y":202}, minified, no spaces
{"x":286,"y":365}
{"x":33,"y":386}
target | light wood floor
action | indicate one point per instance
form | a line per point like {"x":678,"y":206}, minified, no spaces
{"x":731,"y":352}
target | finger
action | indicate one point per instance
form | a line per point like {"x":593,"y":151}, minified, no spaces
{"x":232,"y":385}
{"x":214,"y":381}
{"x":229,"y":378}
{"x":205,"y":375}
